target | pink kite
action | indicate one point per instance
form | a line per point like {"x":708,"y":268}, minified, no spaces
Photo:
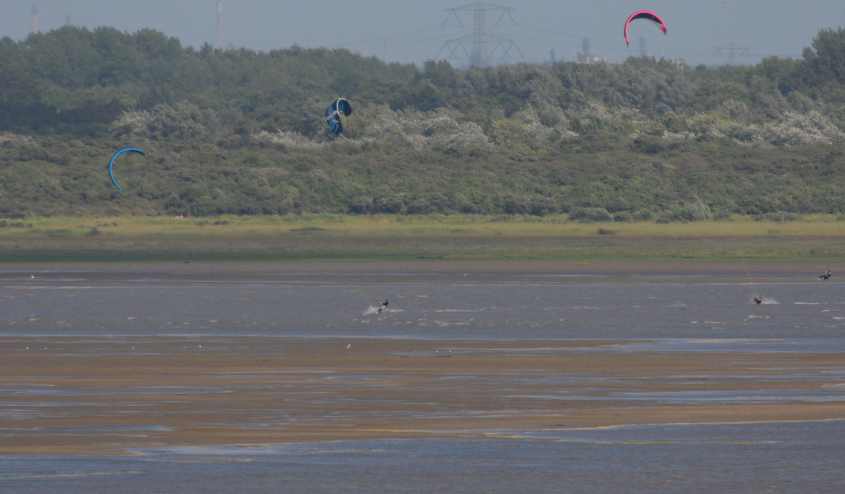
{"x":644,"y":14}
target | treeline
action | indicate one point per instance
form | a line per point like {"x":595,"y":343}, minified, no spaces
{"x":239,"y":131}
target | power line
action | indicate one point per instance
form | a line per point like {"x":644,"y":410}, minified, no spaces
{"x":731,"y":52}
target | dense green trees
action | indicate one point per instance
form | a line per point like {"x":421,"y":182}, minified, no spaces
{"x":239,"y":131}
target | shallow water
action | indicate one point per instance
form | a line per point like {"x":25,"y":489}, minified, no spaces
{"x":777,"y":457}
{"x":437,"y":306}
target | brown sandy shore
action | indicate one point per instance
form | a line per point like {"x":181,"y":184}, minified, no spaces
{"x":101,"y":395}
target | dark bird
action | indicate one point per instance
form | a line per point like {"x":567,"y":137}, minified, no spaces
{"x":383,"y":306}
{"x":826,"y":275}
{"x":758,"y":300}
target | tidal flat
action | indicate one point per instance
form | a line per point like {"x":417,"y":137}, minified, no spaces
{"x":479,"y":376}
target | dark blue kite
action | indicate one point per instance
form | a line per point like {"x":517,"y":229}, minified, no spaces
{"x":335,"y":113}
{"x":114,"y":158}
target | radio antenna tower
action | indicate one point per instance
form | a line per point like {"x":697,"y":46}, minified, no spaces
{"x":481,"y":47}
{"x":219,"y":41}
{"x":35,"y":27}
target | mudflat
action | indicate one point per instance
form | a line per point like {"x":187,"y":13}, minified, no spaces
{"x":95,"y":395}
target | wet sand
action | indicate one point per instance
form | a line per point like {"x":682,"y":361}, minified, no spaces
{"x":113,"y":395}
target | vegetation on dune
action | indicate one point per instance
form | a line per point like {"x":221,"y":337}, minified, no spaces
{"x":240,"y":132}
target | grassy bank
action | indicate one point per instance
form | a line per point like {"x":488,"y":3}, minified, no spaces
{"x":812,"y":239}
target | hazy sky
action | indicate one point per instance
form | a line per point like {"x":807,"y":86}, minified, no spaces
{"x":412,"y":30}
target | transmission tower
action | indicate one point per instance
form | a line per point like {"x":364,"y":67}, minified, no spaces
{"x":481,"y":47}
{"x":731,"y":51}
{"x":586,"y":53}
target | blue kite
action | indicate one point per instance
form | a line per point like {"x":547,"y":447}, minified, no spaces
{"x":335,"y":113}
{"x":113,"y":160}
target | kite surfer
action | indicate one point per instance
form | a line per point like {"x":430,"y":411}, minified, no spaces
{"x":334,"y":115}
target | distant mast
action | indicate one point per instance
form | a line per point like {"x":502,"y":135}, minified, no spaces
{"x":219,"y":41}
{"x":35,"y":27}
